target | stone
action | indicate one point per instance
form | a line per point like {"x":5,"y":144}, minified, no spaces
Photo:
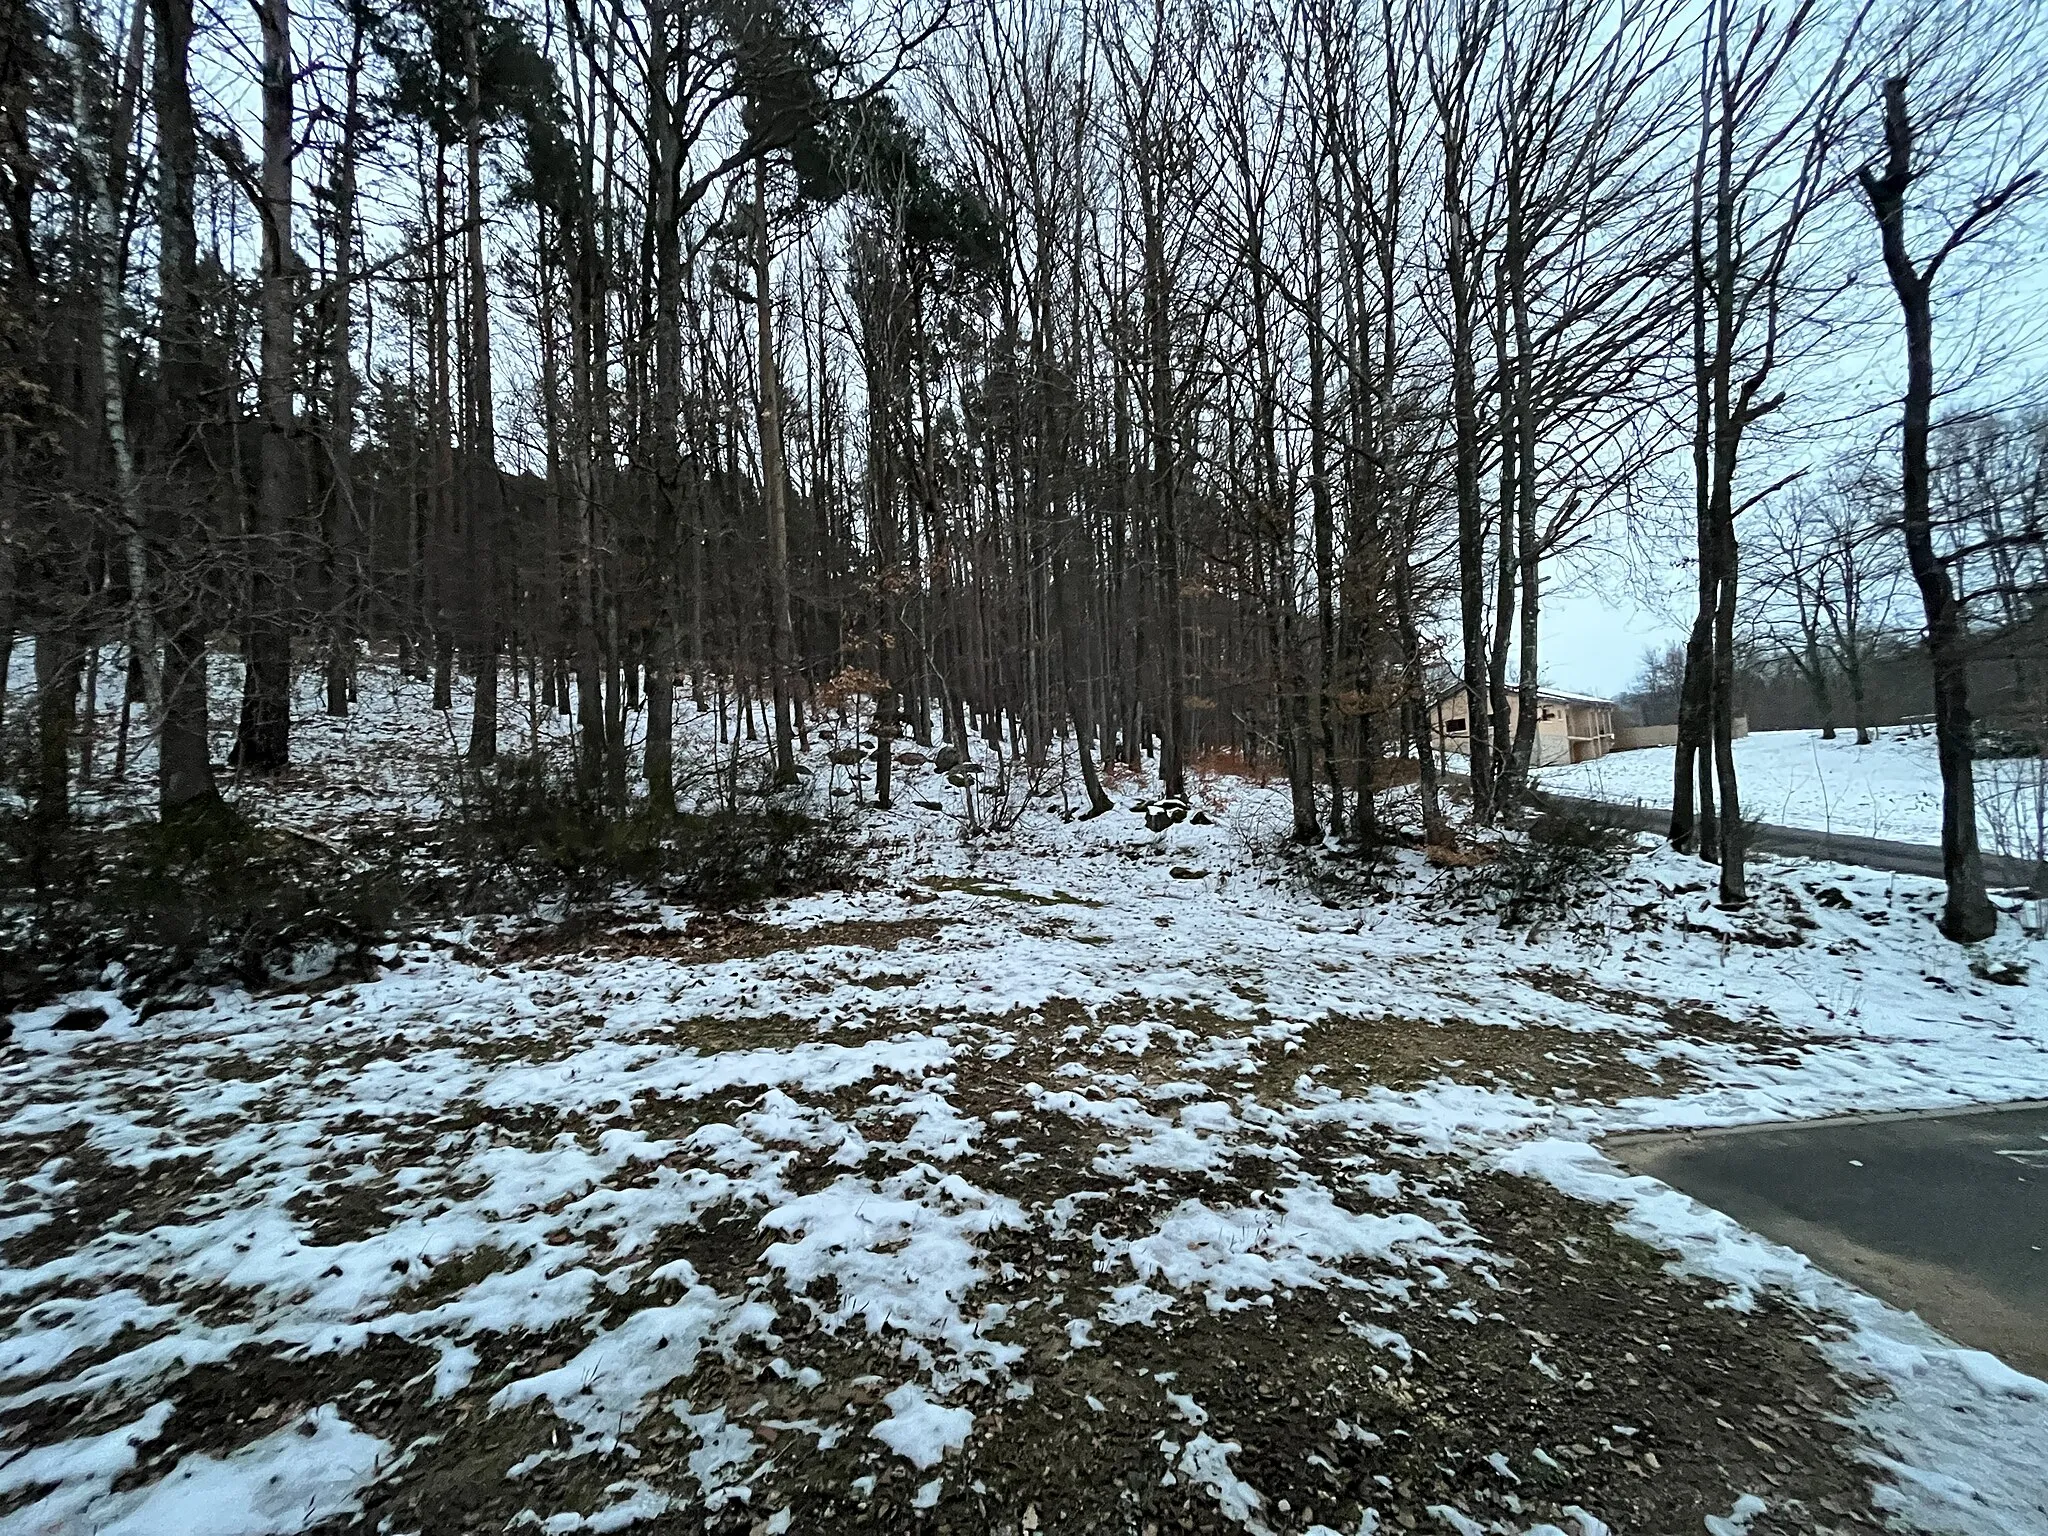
{"x":183,"y":1000}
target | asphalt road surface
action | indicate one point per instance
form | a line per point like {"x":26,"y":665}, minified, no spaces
{"x":1943,"y":1214}
{"x":1804,"y":843}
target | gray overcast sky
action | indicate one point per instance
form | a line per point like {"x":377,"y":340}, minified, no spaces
{"x":1594,"y":641}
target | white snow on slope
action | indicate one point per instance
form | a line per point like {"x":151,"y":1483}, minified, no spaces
{"x":573,"y":1115}
{"x":1946,"y":1423}
{"x":1889,"y":789}
{"x":280,"y":1483}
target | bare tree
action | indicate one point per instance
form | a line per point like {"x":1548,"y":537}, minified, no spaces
{"x":1968,"y":158}
{"x":263,"y":740}
{"x":1771,"y":91}
{"x":1796,"y":556}
{"x":184,"y":756}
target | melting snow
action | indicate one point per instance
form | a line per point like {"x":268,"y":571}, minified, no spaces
{"x":840,"y":1135}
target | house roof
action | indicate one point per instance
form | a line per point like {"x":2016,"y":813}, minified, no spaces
{"x":1554,"y":695}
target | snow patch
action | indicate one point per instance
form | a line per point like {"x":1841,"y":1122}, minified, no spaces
{"x":920,"y":1430}
{"x":1951,"y":1416}
{"x":284,"y":1482}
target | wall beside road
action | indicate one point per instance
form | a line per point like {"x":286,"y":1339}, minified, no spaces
{"x":1631,"y":738}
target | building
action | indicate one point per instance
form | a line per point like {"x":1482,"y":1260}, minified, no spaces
{"x":1570,"y":727}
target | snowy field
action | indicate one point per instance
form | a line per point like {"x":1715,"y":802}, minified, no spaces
{"x":1080,"y":1179}
{"x":1889,"y":789}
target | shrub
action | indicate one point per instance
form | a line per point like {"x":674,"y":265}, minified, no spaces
{"x":1993,"y":742}
{"x":1562,"y":860}
{"x":1332,"y":876}
{"x":156,"y":910}
{"x":161,"y":911}
{"x":524,"y":830}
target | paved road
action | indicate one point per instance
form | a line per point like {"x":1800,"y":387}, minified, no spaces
{"x":1805,"y":843}
{"x":1945,"y":1214}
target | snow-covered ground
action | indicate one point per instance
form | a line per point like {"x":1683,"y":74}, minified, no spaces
{"x":1085,"y":1178}
{"x":1890,"y":788}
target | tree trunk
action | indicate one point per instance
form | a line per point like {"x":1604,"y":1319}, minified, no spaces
{"x":1859,"y":704}
{"x":1073,"y":658}
{"x":487,"y":519}
{"x":1692,"y":822}
{"x":185,"y":766}
{"x":58,"y":658}
{"x":1435,"y":832}
{"x":263,"y":742}
{"x":1505,"y":709}
{"x":1815,"y":666}
{"x":658,"y":755}
{"x":1323,"y":514}
{"x":344,"y":530}
{"x":1728,"y":415}
{"x":184,"y":756}
{"x":774,"y":486}
{"x":1967,"y":914}
{"x":886,"y":703}
{"x":102,"y":261}
{"x":1528,"y":555}
{"x":1163,"y":476}
{"x":1733,"y":850}
{"x":444,"y":670}
{"x":1465,"y":473}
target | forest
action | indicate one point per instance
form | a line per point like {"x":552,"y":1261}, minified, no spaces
{"x":792,"y":767}
{"x":1144,"y":381}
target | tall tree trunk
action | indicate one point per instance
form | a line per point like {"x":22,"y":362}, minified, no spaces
{"x":1521,"y":385}
{"x":57,"y":672}
{"x":1692,"y":819}
{"x":487,"y":508}
{"x":103,"y":263}
{"x":1163,"y":477}
{"x":184,"y":757}
{"x":774,"y":485}
{"x":658,"y":757}
{"x":1729,"y":414}
{"x":344,"y":531}
{"x":1465,"y":473}
{"x":1323,"y":517}
{"x":1967,"y":914}
{"x":263,"y":742}
{"x":586,"y":303}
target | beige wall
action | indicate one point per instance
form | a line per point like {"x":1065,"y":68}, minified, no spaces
{"x":1591,"y":724}
{"x":1562,"y":729}
{"x":1632,"y":738}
